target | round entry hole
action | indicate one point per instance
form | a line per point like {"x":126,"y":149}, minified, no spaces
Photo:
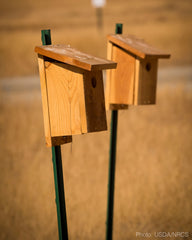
{"x":148,"y":67}
{"x":94,"y":82}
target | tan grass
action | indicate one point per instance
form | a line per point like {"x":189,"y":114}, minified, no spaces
{"x":153,"y":179}
{"x":152,"y":192}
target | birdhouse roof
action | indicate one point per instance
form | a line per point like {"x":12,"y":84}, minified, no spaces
{"x":71,"y":56}
{"x":136,"y":46}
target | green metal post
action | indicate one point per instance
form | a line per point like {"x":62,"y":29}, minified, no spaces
{"x":59,"y":192}
{"x":58,"y":171}
{"x":112,"y":160}
{"x":46,"y":37}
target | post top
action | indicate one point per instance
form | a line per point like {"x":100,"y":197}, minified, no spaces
{"x":71,"y":56}
{"x":136,"y":46}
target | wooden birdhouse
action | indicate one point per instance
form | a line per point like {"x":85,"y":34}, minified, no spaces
{"x":134,"y":80}
{"x":72,"y":92}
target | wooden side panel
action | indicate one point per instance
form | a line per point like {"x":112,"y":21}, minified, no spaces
{"x":136,"y":86}
{"x":108,"y":79}
{"x":44,"y":100}
{"x":146,"y":81}
{"x":66,"y":103}
{"x":95,"y":102}
{"x":82,"y":106}
{"x":122,"y":78}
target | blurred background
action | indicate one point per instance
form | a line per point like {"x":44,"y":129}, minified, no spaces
{"x":153,"y":188}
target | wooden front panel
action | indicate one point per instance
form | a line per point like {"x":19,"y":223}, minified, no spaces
{"x":50,"y":141}
{"x":122,"y":78}
{"x":94,"y":101}
{"x":146,"y":81}
{"x":65,"y":99}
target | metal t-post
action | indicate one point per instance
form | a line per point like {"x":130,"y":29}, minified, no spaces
{"x":112,"y":160}
{"x":58,"y":171}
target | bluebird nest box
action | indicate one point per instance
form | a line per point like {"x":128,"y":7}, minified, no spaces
{"x":134,"y":80}
{"x":72,"y":92}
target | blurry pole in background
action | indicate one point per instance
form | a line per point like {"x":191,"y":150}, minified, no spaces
{"x":99,"y":14}
{"x":99,"y":4}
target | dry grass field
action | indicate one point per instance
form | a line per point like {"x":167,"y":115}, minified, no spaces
{"x":153,"y":177}
{"x":153,"y":188}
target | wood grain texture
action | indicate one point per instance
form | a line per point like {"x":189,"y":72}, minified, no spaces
{"x":145,"y":81}
{"x":95,"y":102}
{"x":118,"y":106}
{"x":56,"y":141}
{"x":108,"y":78}
{"x":66,"y":99}
{"x":66,"y":54}
{"x":122,"y":78}
{"x":74,"y":101}
{"x":44,"y":100}
{"x":108,"y":104}
{"x":50,"y":141}
{"x":136,"y":46}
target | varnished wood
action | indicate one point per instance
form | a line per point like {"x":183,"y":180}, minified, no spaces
{"x":108,"y":78}
{"x":56,"y":141}
{"x":94,"y":101}
{"x":73,"y":96}
{"x":66,"y":100}
{"x":136,"y":46}
{"x":71,"y":56}
{"x":75,"y":99}
{"x":134,"y":80}
{"x":44,"y":100}
{"x":118,"y":106}
{"x":145,"y":81}
{"x":123,"y":77}
{"x":50,"y":141}
{"x":121,"y":80}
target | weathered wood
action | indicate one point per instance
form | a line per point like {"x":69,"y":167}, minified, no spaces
{"x":136,"y":46}
{"x":145,"y":81}
{"x":71,"y":56}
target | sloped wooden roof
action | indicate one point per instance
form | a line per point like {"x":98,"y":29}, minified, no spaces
{"x":136,"y":46}
{"x":69,"y":55}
